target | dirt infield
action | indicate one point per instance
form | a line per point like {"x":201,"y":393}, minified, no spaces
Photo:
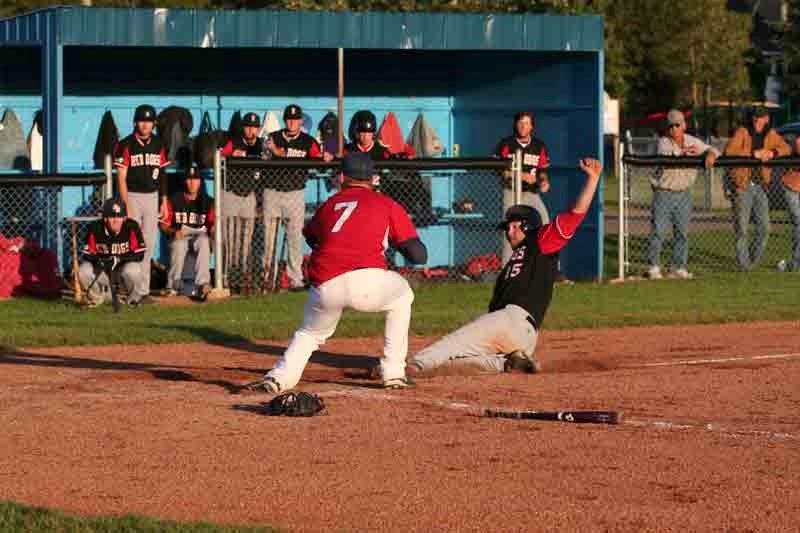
{"x":711,"y":442}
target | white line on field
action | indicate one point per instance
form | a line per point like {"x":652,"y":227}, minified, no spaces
{"x":478,"y":410}
{"x":690,"y":362}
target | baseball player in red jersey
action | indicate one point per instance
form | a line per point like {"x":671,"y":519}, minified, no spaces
{"x":504,"y":339}
{"x":349,"y":235}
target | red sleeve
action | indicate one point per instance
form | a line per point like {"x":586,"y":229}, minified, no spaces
{"x":137,"y":240}
{"x":170,"y":218}
{"x":227,"y":150}
{"x":122,"y":156}
{"x":91,"y":245}
{"x":164,"y":160}
{"x":401,"y":228}
{"x":554,"y":236}
{"x":314,"y":152}
{"x":210,"y":219}
{"x":544,"y":161}
{"x":502,"y":150}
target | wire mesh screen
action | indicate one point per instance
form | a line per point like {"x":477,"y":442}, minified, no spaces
{"x":454,"y":203}
{"x":681,"y":219}
{"x":35,"y":241}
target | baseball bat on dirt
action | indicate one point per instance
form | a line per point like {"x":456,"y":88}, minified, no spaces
{"x":575,"y":417}
{"x":76,"y":284}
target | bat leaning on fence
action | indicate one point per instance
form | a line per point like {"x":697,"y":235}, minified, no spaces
{"x":76,"y":283}
{"x":271,"y":259}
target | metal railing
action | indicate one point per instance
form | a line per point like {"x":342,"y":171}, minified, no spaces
{"x":677,"y":215}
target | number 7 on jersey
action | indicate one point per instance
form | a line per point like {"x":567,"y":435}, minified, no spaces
{"x":348,"y":207}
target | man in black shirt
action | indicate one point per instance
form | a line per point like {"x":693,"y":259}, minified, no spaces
{"x":535,"y":162}
{"x":189,"y":222}
{"x":364,"y":141}
{"x":140,"y":158}
{"x":115,"y":245}
{"x":284,"y":197}
{"x":505,"y":338}
{"x":239,"y":199}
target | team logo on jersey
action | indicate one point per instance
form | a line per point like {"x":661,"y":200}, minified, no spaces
{"x":195,"y":219}
{"x":530,"y":160}
{"x":294,"y":152}
{"x":150,"y":160}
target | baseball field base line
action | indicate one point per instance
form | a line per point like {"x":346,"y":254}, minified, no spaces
{"x":733,"y":359}
{"x":478,"y":410}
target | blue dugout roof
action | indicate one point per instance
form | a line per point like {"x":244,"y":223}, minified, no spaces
{"x":200,"y":28}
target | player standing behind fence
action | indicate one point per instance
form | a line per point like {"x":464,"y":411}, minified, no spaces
{"x":239,"y":198}
{"x":672,"y":196}
{"x":140,"y":158}
{"x":535,"y":162}
{"x":504,"y":339}
{"x":115,"y":247}
{"x":284,"y":196}
{"x":791,"y":193}
{"x":750,"y":185}
{"x":349,"y":235}
{"x":189,"y":223}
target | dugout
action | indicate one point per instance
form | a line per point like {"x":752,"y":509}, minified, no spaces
{"x":468,"y":74}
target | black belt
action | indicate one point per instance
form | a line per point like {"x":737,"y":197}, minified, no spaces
{"x":532,"y":322}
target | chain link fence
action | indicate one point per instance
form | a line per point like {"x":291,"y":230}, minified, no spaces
{"x":679,"y":218}
{"x":454,"y":203}
{"x":36,"y":241}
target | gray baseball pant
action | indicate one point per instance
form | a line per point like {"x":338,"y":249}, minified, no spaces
{"x":145,"y":212}
{"x":289,"y":205}
{"x":484,"y":342}
{"x":528,"y":198}
{"x":198,"y":244}
{"x":130,"y":274}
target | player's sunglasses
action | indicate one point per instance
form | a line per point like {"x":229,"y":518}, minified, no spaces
{"x":674,"y":126}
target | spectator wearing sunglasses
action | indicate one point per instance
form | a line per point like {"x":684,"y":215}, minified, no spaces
{"x":672,"y":197}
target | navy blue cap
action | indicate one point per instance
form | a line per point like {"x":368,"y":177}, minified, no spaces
{"x":358,"y":166}
{"x":114,"y":208}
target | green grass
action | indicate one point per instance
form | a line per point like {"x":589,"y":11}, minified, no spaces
{"x":24,"y":519}
{"x":438,"y":309}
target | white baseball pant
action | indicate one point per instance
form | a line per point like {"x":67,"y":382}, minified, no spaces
{"x":199,"y":245}
{"x":145,"y":212}
{"x":130,"y":274}
{"x":484,"y":342}
{"x":289,"y":205}
{"x":371,"y":290}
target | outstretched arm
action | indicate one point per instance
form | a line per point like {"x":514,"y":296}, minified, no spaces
{"x":592,"y":168}
{"x":554,"y":236}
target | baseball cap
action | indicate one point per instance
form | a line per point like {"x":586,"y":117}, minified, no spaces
{"x":191,"y":173}
{"x":518,"y":213}
{"x":251,"y":119}
{"x":358,"y":166}
{"x":676,"y":117}
{"x":144,"y":113}
{"x":760,"y":111}
{"x":292,"y":111}
{"x":114,"y":208}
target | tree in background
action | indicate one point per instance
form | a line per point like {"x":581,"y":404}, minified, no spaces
{"x":790,"y":42}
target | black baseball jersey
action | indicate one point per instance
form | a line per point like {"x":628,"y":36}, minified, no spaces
{"x":127,"y":245}
{"x":534,"y":157}
{"x":196,"y":213}
{"x":246,"y":180}
{"x":528,"y":277}
{"x":303,"y":146}
{"x":376,"y":151}
{"x":144,"y":160}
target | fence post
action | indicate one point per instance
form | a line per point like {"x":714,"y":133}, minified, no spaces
{"x":218,"y":222}
{"x":109,"y":189}
{"x":621,"y":220}
{"x":516,"y":172}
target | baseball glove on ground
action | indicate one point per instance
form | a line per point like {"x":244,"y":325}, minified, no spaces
{"x":295,"y":404}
